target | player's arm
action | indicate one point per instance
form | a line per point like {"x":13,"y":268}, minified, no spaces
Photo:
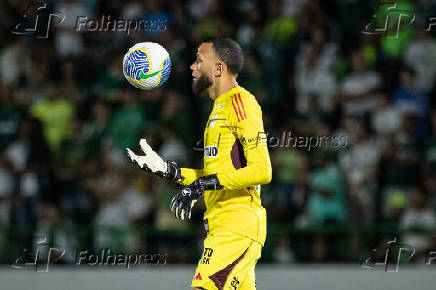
{"x":190,"y":175}
{"x":247,"y":119}
{"x":257,"y":171}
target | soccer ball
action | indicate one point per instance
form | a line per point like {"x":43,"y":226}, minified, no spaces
{"x":147,"y":65}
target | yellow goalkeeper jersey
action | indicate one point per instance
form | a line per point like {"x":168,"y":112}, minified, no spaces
{"x":235,"y":149}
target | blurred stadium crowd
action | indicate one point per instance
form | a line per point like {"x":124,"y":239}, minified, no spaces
{"x":67,"y":113}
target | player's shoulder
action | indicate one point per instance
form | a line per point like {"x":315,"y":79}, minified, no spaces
{"x":246,"y":96}
{"x":243,"y":104}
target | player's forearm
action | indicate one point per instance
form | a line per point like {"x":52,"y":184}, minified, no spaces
{"x":254,"y":173}
{"x":190,"y":175}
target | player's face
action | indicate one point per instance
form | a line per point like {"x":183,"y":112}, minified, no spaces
{"x":202,"y":68}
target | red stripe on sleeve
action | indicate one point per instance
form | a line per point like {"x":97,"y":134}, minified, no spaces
{"x":239,"y":109}
{"x":243,"y":108}
{"x":235,"y":110}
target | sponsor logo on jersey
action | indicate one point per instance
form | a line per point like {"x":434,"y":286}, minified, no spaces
{"x":207,"y":255}
{"x":210,"y":151}
{"x":257,"y":138}
{"x":261,"y":136}
{"x":235,"y":283}
{"x":198,"y":276}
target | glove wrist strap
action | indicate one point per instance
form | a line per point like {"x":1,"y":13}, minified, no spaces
{"x":173,"y":172}
{"x":210,"y":182}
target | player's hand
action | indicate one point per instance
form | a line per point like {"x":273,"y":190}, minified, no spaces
{"x":152,"y":162}
{"x":183,"y":202}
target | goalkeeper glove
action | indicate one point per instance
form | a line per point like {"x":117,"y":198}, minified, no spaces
{"x":152,"y":162}
{"x":183,"y":202}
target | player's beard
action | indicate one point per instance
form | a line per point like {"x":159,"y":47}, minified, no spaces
{"x":201,"y":85}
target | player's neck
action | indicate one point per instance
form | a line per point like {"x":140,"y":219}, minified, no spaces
{"x":222,"y":87}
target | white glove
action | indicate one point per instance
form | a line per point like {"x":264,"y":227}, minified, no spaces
{"x":152,"y":162}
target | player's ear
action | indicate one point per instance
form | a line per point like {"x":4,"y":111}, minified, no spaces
{"x":219,"y":69}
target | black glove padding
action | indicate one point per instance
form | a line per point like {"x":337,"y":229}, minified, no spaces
{"x":172,"y":173}
{"x":183,"y":202}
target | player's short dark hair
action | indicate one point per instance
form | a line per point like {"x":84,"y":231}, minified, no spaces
{"x":230,"y":52}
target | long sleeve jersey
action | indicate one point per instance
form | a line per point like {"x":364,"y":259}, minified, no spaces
{"x":235,"y":149}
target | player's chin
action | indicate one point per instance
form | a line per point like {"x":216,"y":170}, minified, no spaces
{"x":200,"y":85}
{"x":198,"y":91}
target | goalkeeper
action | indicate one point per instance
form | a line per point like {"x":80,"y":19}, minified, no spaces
{"x":236,"y":162}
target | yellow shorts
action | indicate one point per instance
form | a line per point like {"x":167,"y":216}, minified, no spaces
{"x":227,"y":262}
